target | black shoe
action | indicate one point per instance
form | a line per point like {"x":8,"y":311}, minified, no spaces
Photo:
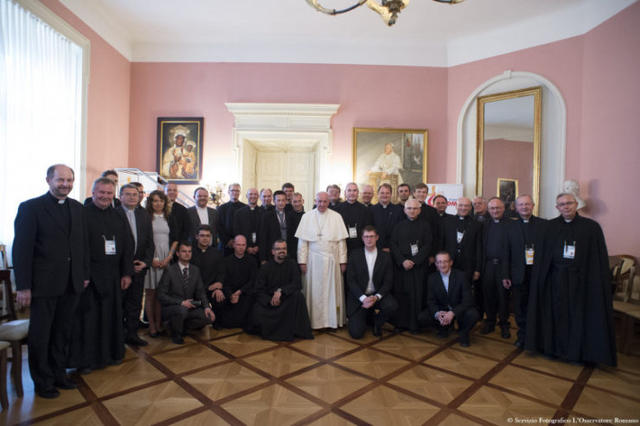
{"x":443,"y":333}
{"x":135,"y":341}
{"x":65,"y":383}
{"x":84,"y":371}
{"x":506,"y":334}
{"x":48,"y":393}
{"x":519,"y":343}
{"x":487,"y":329}
{"x":378,"y":322}
{"x":177,"y":339}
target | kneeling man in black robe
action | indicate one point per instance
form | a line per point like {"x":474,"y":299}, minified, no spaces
{"x":240,"y":270}
{"x":369,"y":282}
{"x":183,"y":297}
{"x":570,"y":305}
{"x":280,"y":311}
{"x":449,"y":299}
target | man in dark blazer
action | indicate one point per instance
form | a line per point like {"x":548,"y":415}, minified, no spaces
{"x":274,"y":224}
{"x":183,"y":297}
{"x":524,"y":235}
{"x":225,"y":218}
{"x":51,"y":269}
{"x":369,"y":282}
{"x":201,"y":214}
{"x":139,"y":223}
{"x":449,"y":299}
{"x":178,"y":218}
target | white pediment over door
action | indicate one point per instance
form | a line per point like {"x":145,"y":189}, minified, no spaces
{"x":284,"y":128}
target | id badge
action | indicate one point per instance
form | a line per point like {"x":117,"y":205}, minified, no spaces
{"x":528,"y":255}
{"x":569,"y":251}
{"x":109,"y":247}
{"x":414,"y":249}
{"x":353,"y":232}
{"x":253,"y":237}
{"x":459,"y":236}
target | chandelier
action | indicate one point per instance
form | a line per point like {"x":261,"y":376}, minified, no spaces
{"x":387,"y":9}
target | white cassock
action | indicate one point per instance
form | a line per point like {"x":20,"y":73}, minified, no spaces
{"x":322,"y":247}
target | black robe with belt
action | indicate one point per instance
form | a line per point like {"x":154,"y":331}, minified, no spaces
{"x":570,"y":303}
{"x":410,"y":287}
{"x":288,"y":320}
{"x":239,"y":274}
{"x":98,"y":334}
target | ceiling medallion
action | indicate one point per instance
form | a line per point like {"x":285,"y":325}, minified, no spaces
{"x":387,"y":9}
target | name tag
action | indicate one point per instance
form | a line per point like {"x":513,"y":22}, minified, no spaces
{"x":253,"y":237}
{"x":459,"y":236}
{"x":109,"y":247}
{"x":353,"y":232}
{"x":528,"y":255}
{"x":414,"y":249}
{"x":569,"y":251}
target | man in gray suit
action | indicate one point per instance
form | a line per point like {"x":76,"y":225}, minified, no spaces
{"x":183,"y":296}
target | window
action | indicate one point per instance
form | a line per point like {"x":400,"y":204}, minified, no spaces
{"x":43,"y":76}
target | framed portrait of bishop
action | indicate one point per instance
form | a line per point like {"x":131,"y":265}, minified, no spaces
{"x":179,"y":150}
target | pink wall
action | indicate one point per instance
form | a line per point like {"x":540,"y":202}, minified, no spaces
{"x":370,"y":96}
{"x":597,"y":74}
{"x":108,"y":100}
{"x":610,"y":147}
{"x":507,"y":159}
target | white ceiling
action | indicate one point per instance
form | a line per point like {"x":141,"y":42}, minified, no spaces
{"x":426,"y":34}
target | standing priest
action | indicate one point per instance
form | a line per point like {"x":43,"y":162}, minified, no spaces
{"x":98,"y":336}
{"x":570,"y":307}
{"x":411,"y":246}
{"x":280,"y":312}
{"x":355,"y":216}
{"x":322,"y":255}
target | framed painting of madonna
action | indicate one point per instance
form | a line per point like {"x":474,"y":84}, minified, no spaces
{"x":179,"y":149}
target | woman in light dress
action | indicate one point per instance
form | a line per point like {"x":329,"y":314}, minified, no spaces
{"x":166,"y":242}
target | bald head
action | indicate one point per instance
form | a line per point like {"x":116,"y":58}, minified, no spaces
{"x":464,"y":206}
{"x":252,"y":197}
{"x":412,"y":208}
{"x":496,"y":208}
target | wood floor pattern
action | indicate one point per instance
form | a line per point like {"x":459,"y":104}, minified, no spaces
{"x":228,"y":377}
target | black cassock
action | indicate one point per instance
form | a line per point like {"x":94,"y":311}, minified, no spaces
{"x":570,"y":304}
{"x":211,"y":265}
{"x":246,"y":221}
{"x":355,"y":216}
{"x":239,"y":274}
{"x":385,"y":219}
{"x":225,"y":223}
{"x":410,"y":287}
{"x":98,"y":335}
{"x":288,"y":320}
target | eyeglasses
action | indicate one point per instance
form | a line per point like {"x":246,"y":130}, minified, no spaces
{"x":568,"y":203}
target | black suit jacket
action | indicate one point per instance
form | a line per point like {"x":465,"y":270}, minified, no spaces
{"x":145,"y":246}
{"x":458,"y":299}
{"x":514,"y":263}
{"x":270,"y":233}
{"x":45,"y":258}
{"x":358,"y":277}
{"x":172,"y":291}
{"x":466,"y":256}
{"x":194,"y":219}
{"x":179,"y":223}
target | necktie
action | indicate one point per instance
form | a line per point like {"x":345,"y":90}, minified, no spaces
{"x":185,"y":280}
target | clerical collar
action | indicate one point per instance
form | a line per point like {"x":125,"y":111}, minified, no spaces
{"x":56,"y":199}
{"x":61,"y":201}
{"x":525,"y":220}
{"x":461,"y":217}
{"x":496,"y":220}
{"x":203,"y":249}
{"x":568,"y":220}
{"x":252,"y":208}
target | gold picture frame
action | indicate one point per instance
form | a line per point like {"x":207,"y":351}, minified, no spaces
{"x":507,"y":190}
{"x":391,"y":156}
{"x":482,"y":101}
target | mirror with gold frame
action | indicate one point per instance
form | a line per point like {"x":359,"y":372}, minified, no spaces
{"x":508,"y":148}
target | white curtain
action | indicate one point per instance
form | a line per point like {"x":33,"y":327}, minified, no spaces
{"x":40,"y":108}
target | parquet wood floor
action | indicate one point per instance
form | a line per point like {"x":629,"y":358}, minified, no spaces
{"x":227,"y":377}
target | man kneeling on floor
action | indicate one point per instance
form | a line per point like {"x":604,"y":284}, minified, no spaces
{"x":183,"y":297}
{"x":449,"y":298}
{"x":280,"y":310}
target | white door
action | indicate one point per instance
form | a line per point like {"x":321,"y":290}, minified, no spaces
{"x":273,"y":168}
